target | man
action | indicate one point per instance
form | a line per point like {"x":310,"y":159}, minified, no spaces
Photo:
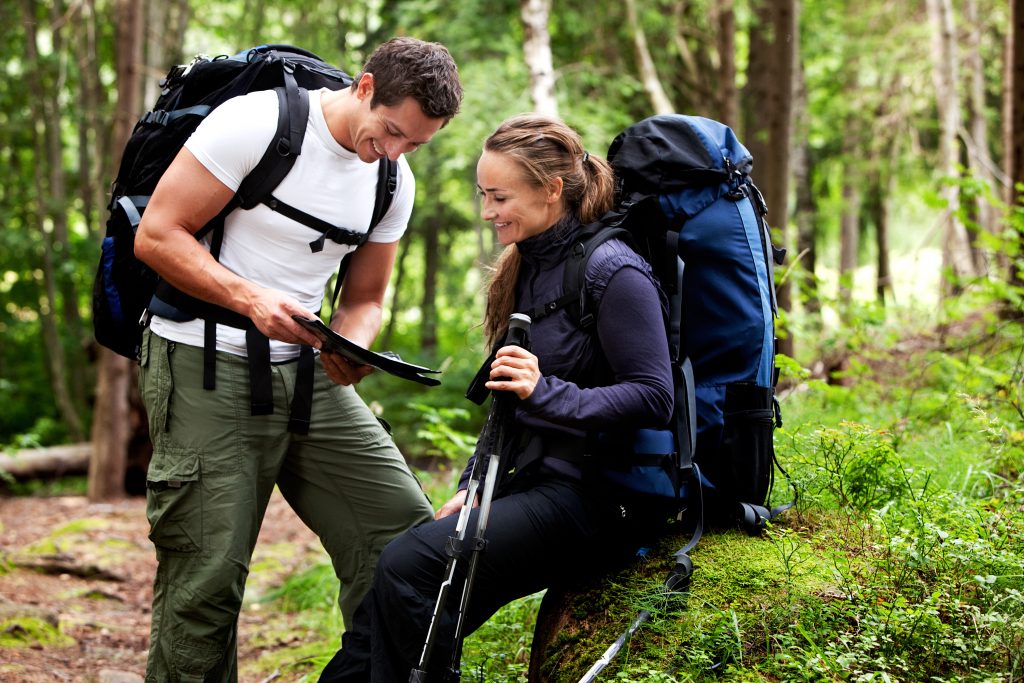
{"x":215,"y":460}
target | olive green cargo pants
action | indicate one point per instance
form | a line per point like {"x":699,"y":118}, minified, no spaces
{"x":213,"y":470}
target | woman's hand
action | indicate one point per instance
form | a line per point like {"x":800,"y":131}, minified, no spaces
{"x":454,"y":505}
{"x":514,"y":369}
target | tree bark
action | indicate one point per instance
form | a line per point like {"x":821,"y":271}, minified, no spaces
{"x":956,"y":244}
{"x":849,"y":240}
{"x":55,"y":461}
{"x":1013,"y":126}
{"x":92,"y":128}
{"x":50,"y":217}
{"x":770,"y":90}
{"x":806,"y":211}
{"x":431,"y":264}
{"x":877,"y":207}
{"x":729,"y":99}
{"x":111,"y":426}
{"x":396,"y":290}
{"x":537,"y":51}
{"x":660,"y":102}
{"x":980,"y":161}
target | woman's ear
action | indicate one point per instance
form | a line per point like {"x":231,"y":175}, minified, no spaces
{"x":555,"y":190}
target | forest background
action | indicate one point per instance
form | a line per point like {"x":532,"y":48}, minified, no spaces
{"x":887,"y":138}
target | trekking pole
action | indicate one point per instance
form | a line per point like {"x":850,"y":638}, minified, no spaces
{"x":677,"y":581}
{"x":518,"y":335}
{"x":613,"y":650}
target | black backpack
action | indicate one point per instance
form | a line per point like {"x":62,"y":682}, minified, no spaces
{"x":688,"y":206}
{"x":123,"y":289}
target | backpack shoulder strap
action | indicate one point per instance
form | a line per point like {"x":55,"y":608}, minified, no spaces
{"x":387,"y":184}
{"x":574,"y":282}
{"x":284,"y":148}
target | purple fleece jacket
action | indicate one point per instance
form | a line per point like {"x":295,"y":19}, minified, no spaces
{"x":617,"y":379}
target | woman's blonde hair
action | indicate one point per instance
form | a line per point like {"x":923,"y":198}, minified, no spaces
{"x":545,"y":149}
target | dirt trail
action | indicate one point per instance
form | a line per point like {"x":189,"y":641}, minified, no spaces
{"x":88,"y":569}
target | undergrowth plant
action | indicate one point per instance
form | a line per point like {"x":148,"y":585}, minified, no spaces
{"x":902,"y":561}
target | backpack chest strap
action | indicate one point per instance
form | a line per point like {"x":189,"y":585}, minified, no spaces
{"x":326,"y":230}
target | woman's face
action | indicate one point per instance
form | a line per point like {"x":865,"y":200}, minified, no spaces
{"x":516,"y":209}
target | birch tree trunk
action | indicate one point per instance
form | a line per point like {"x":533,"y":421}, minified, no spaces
{"x":537,"y":51}
{"x":111,"y":426}
{"x":956,"y":243}
{"x":660,"y":102}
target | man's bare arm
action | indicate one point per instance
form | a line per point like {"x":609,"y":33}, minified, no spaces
{"x":359,"y":311}
{"x":187,"y":197}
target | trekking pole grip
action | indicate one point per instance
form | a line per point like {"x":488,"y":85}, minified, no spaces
{"x":518,"y":330}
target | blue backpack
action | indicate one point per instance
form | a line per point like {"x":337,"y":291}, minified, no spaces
{"x":688,"y":206}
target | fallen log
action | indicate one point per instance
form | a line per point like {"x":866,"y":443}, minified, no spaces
{"x":53,"y":461}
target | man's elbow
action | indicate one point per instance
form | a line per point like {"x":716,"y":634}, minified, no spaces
{"x":145,"y":245}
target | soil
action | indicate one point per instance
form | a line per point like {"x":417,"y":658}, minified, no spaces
{"x":87,"y":570}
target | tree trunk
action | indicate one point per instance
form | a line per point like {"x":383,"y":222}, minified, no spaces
{"x":92,"y":126}
{"x":537,"y":50}
{"x":878,"y":213}
{"x":849,"y":242}
{"x":648,"y":73}
{"x":956,"y":244}
{"x":1013,"y":126}
{"x":979,"y":160}
{"x":769,"y":116}
{"x":111,"y":426}
{"x":52,"y":462}
{"x":396,"y":290}
{"x":431,"y":264}
{"x":50,"y":216}
{"x":806,"y":213}
{"x":166,"y":21}
{"x":729,"y":98}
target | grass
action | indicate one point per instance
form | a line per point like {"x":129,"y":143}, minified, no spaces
{"x":26,"y":631}
{"x":903,"y":561}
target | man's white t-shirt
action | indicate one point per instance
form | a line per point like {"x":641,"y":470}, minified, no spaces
{"x":327,"y":181}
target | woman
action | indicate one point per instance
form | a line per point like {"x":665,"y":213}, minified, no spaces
{"x":551,"y":512}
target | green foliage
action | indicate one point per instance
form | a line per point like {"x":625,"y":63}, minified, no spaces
{"x":440,"y":432}
{"x":64,"y":486}
{"x":500,"y":649}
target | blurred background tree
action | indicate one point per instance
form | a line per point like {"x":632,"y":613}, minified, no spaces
{"x":876,"y":129}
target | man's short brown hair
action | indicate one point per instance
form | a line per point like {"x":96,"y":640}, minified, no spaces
{"x":408,"y":67}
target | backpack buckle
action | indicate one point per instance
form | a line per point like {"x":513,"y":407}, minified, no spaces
{"x":159,"y":117}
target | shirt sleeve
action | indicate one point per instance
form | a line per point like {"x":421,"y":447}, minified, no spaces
{"x":631,"y":331}
{"x":232,"y":139}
